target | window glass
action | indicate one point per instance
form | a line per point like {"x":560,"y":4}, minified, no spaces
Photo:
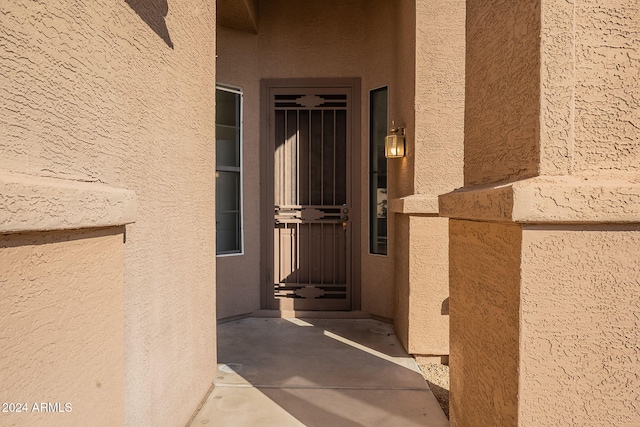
{"x":228,"y":171}
{"x":378,"y":119}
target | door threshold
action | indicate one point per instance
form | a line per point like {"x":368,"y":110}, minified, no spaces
{"x":301,"y":314}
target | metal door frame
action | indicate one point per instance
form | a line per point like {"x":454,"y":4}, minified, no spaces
{"x":267,"y":184}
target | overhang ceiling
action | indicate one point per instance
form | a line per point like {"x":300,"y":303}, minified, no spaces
{"x":238,"y":14}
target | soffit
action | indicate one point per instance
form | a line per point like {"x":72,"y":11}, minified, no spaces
{"x":238,"y":14}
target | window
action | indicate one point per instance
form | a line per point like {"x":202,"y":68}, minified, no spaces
{"x":228,"y":170}
{"x":378,"y":119}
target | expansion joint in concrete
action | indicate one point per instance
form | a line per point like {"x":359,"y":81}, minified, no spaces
{"x":317,"y":387}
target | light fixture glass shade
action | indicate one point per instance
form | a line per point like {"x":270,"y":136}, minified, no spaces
{"x":394,"y":146}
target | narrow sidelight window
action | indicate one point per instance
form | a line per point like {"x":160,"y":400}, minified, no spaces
{"x":228,"y":170}
{"x":378,"y":119}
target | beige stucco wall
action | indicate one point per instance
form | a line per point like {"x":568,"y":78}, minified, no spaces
{"x":607,"y":97}
{"x":422,"y":285}
{"x":589,"y":87}
{"x":585,"y":106}
{"x":429,"y":286}
{"x":61,"y":327}
{"x":502,"y":78}
{"x":400,"y":172}
{"x":580,"y":331}
{"x":484,"y":310}
{"x":311,"y":39}
{"x":439,"y":96}
{"x":434,"y":100}
{"x":576,"y":270}
{"x":402,"y":100}
{"x":107,"y":94}
{"x":377,"y":270}
{"x":238,"y":276}
{"x":543,"y":324}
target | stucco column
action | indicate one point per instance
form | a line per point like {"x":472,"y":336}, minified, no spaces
{"x":61,"y":300}
{"x":545,"y":235}
{"x":107,"y":116}
{"x":433,"y":166}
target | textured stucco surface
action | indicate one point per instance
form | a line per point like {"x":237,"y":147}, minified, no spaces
{"x":102,"y":93}
{"x":421,"y":316}
{"x":439,"y":96}
{"x":401,"y":172}
{"x":589,"y":87}
{"x":311,"y":39}
{"x":569,"y":113}
{"x":544,"y":325}
{"x":428,"y":312}
{"x":557,"y":94}
{"x":553,"y":88}
{"x":29,"y":203}
{"x":607,"y":89}
{"x":61,"y":327}
{"x":415,"y":204}
{"x":580,"y":331}
{"x":238,"y":276}
{"x":436,"y":33}
{"x":546,"y":199}
{"x":484,"y":309}
{"x":502,"y":91}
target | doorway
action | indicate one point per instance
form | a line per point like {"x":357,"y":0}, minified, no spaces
{"x":311,"y":194}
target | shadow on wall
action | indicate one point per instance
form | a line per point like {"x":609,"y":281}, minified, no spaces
{"x":445,"y":307}
{"x":152,"y":13}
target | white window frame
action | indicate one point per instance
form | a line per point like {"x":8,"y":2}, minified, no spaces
{"x":237,"y":91}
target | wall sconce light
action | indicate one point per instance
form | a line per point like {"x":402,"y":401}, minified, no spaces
{"x":394,"y":143}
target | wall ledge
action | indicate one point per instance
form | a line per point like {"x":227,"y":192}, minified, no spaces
{"x":32,"y":203}
{"x":416,"y":204}
{"x":549,"y":199}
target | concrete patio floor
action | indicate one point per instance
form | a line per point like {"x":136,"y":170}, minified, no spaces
{"x":316,"y":372}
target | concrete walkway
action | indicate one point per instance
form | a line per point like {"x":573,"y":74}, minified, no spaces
{"x":316,"y":372}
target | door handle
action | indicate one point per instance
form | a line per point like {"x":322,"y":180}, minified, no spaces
{"x":344,"y":218}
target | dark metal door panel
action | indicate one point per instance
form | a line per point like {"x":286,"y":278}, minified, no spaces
{"x":310,"y":142}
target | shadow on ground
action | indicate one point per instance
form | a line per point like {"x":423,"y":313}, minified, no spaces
{"x":317,"y":372}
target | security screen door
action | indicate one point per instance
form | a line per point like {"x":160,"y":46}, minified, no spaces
{"x":310,"y":142}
